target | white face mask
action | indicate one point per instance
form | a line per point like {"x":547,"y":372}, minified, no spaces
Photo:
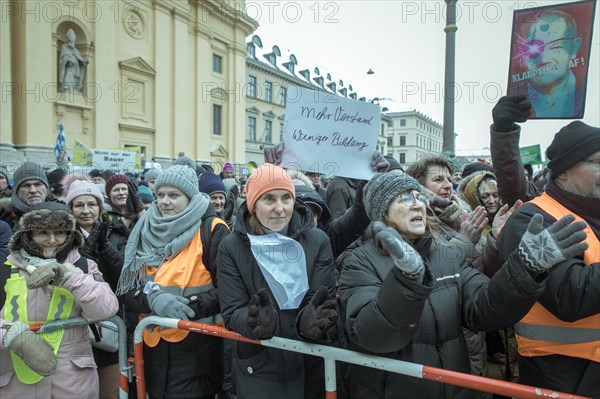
{"x":283,"y":264}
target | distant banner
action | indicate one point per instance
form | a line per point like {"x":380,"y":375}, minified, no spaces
{"x":549,"y":58}
{"x":531,"y":154}
{"x":82,"y":154}
{"x":116,"y":160}
{"x":329,"y":134}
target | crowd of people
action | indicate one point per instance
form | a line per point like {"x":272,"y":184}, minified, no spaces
{"x":479,"y":269}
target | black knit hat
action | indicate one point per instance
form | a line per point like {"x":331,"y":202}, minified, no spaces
{"x":572,"y":144}
{"x":394,"y":165}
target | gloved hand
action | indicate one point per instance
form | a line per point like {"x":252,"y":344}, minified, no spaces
{"x":230,"y":201}
{"x":510,"y":109}
{"x":378,"y":163}
{"x":52,"y":273}
{"x":35,"y":351}
{"x":541,"y":248}
{"x":273,"y":153}
{"x":133,"y":197}
{"x":104,"y":229}
{"x":169,"y":305}
{"x":451,"y":215}
{"x":262,"y":317}
{"x":317,"y":316}
{"x":405,"y":257}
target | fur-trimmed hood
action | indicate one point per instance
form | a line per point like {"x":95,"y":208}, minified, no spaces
{"x":46,"y":219}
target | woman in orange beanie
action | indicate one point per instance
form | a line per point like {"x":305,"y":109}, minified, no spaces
{"x":276,"y":277}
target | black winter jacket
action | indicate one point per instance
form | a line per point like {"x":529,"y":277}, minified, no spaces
{"x":263,"y":372}
{"x":388,"y":314}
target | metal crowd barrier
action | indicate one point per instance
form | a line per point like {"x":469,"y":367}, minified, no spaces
{"x":330,"y":355}
{"x":125,"y":369}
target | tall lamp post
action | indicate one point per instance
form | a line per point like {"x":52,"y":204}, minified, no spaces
{"x":449,"y":83}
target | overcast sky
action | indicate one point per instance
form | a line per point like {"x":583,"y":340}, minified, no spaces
{"x":403,"y":42}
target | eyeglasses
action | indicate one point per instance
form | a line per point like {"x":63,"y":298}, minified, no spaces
{"x":45,"y":235}
{"x":411,"y":199}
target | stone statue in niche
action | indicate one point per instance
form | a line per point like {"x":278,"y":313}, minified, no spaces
{"x":71,"y":66}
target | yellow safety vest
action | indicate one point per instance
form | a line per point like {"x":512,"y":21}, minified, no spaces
{"x":540,"y":333}
{"x":15,"y":309}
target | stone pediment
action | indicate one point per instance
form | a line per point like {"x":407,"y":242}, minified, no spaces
{"x":253,"y":110}
{"x":138,"y":65}
{"x":218,"y":151}
{"x":269,"y":114}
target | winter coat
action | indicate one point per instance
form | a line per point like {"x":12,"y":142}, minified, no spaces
{"x":341,"y":193}
{"x":572,"y":293}
{"x":512,"y":183}
{"x":263,"y":372}
{"x":393,"y":316}
{"x":11,"y":215}
{"x":75,"y":375}
{"x":197,"y":355}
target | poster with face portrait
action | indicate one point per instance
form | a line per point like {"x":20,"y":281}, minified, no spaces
{"x":549,"y":58}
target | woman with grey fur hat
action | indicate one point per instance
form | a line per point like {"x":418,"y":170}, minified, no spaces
{"x":170,"y":270}
{"x":50,"y":281}
{"x":406,"y":296}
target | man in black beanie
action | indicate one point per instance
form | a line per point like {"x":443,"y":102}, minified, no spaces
{"x":31,"y":188}
{"x":558,"y":339}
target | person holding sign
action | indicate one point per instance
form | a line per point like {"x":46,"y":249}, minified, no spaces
{"x":276,"y":278}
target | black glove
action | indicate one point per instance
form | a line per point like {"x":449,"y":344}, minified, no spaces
{"x":510,"y":109}
{"x":134,"y":197}
{"x":317,"y":316}
{"x":90,"y":245}
{"x":262,"y":317}
{"x":229,"y":207}
{"x":103,"y":230}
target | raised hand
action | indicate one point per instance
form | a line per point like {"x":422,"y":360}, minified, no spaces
{"x":405,"y":257}
{"x":502,"y":216}
{"x":473,"y":224}
{"x":541,"y":248}
{"x":510,"y":109}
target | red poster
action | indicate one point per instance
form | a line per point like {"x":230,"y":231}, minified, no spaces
{"x":549,"y":58}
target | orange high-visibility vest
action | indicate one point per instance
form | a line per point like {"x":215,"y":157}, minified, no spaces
{"x":540,"y":333}
{"x":186,"y":271}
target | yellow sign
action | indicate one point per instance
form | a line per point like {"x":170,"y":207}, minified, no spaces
{"x":82,"y":154}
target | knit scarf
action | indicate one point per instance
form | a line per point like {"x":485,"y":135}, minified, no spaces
{"x":18,"y":204}
{"x":156,"y":238}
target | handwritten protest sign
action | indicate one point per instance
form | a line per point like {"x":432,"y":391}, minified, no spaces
{"x":550,"y":54}
{"x":115,"y":160}
{"x":329,"y":134}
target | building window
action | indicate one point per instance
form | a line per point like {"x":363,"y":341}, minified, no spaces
{"x":282,"y":96}
{"x":251,"y":135}
{"x":402,"y":140}
{"x":251,"y":86}
{"x":390,"y":141}
{"x":402,"y":122}
{"x":251,"y":50}
{"x":402,"y":158}
{"x":217,"y":114}
{"x":268,"y":132}
{"x":390,"y":123}
{"x":269,"y":92}
{"x":217,"y":63}
{"x":281,"y":132}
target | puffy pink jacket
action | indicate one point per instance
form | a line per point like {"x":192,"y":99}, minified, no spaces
{"x":75,"y":375}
